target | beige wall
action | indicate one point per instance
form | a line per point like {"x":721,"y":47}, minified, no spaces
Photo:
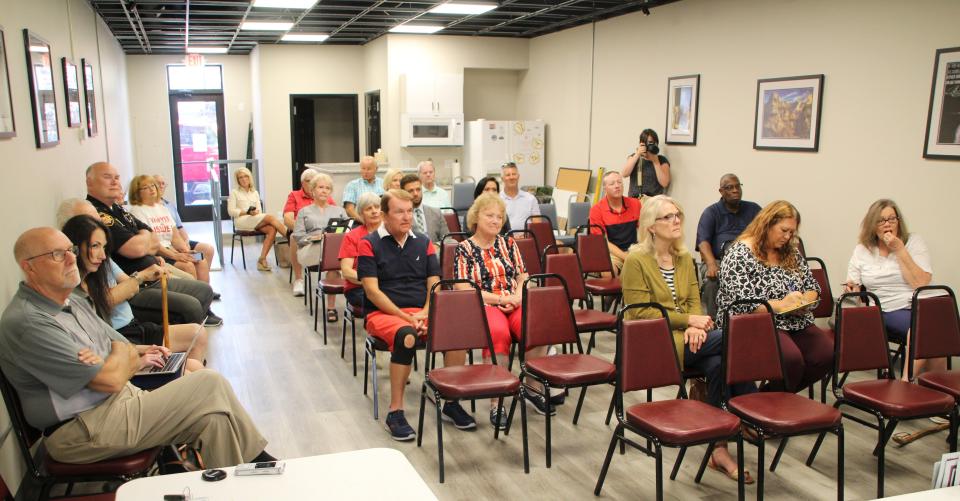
{"x":35,"y":181}
{"x":877,"y":61}
{"x":150,"y":112}
{"x":490,"y":94}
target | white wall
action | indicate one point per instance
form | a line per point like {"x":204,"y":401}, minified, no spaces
{"x":490,"y":94}
{"x":877,"y":59}
{"x":35,"y":181}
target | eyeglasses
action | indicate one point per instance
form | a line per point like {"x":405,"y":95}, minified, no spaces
{"x":891,"y":219}
{"x":673,"y":216}
{"x":148,"y":187}
{"x":58,"y":255}
{"x":728,"y":187}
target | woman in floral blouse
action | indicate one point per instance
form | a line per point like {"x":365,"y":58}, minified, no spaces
{"x":765,"y":263}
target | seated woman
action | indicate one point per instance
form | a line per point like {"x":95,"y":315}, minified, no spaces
{"x":310,"y":226}
{"x":659,"y":269}
{"x":891,"y":263}
{"x":391,"y":179}
{"x":765,"y":263}
{"x":109,"y":289}
{"x":490,"y":184}
{"x":245,"y":208}
{"x":147,"y":206}
{"x":368,"y":210}
{"x":493,"y":262}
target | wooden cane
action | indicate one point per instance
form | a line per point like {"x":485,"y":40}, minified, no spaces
{"x":164,"y":311}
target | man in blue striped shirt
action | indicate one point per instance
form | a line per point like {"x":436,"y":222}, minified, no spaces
{"x":367,"y":182}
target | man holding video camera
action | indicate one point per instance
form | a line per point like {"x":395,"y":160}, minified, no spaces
{"x":653,"y":168}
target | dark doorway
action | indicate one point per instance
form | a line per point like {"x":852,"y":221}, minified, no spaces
{"x":197,"y":122}
{"x":324,"y":128}
{"x":372,"y":104}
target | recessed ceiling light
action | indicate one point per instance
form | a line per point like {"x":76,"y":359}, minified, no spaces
{"x":206,"y":50}
{"x":416,"y":28}
{"x":305,"y":37}
{"x":467,"y":8}
{"x":284,"y":4}
{"x":266,"y":26}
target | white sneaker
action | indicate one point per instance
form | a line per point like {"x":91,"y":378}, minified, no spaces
{"x":298,"y":288}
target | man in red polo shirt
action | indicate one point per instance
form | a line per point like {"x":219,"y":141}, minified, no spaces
{"x":619,"y":216}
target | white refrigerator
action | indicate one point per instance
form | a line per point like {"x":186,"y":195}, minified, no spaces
{"x":490,"y":143}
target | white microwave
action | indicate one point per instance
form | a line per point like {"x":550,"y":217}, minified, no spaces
{"x":431,"y":129}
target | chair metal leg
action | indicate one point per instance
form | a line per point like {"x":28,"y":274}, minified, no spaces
{"x":376,"y":388}
{"x":496,"y":429}
{"x":233,"y":242}
{"x":439,"y":436}
{"x":607,"y":459}
{"x":343,"y":335}
{"x":840,"y":465}
{"x":816,"y":448}
{"x":593,"y":340}
{"x":423,"y":402}
{"x":881,"y":457}
{"x":776,"y":457}
{"x":315,"y":318}
{"x":323,"y":310}
{"x":366,"y":367}
{"x":513,"y":406}
{"x":703,"y":462}
{"x":523,"y":429}
{"x":741,"y":493}
{"x":610,"y":409}
{"x":576,"y":413}
{"x":760,"y":468}
{"x":243,"y":254}
{"x":353,"y":344}
{"x":546,"y":392}
{"x":677,"y":463}
{"x":659,"y":458}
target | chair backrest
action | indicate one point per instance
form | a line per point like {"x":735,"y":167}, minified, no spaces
{"x":593,"y":251}
{"x":456,"y":319}
{"x":578,"y":214}
{"x":825,"y":308}
{"x":452,"y":219}
{"x":527,"y":243}
{"x":448,"y":253}
{"x":549,"y":211}
{"x":860,"y":342}
{"x":935,"y":324}
{"x":800,"y":247}
{"x":646,"y":355}
{"x":331,"y":249}
{"x":542,"y":228}
{"x":568,"y":267}
{"x":462,"y":196}
{"x":25,"y":434}
{"x":547,"y":315}
{"x":751,"y":346}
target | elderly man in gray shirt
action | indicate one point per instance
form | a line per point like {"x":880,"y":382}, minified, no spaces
{"x":71,"y":371}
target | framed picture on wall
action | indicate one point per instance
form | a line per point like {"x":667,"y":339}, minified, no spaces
{"x":90,"y":96}
{"x":683,"y":100}
{"x":71,"y":89}
{"x":943,"y":116}
{"x":7,"y":126}
{"x":46,"y":128}
{"x":788,"y":113}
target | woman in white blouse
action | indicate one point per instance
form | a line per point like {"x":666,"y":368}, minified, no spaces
{"x":245,"y":208}
{"x":146,"y":205}
{"x":891,"y":263}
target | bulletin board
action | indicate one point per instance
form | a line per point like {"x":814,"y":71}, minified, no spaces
{"x":575,"y":180}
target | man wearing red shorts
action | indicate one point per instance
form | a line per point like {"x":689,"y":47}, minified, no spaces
{"x":397,"y":268}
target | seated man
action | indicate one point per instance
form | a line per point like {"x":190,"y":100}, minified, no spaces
{"x":520,"y":204}
{"x":433,"y":194}
{"x":133,"y":244}
{"x":367,"y":182}
{"x":205,"y":249}
{"x":618,"y":216}
{"x":720,"y":224}
{"x":427,"y":220}
{"x":397,"y":267}
{"x":72,"y":373}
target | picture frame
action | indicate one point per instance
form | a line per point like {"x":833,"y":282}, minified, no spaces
{"x":788,"y":113}
{"x":8,"y":126}
{"x":683,"y":103}
{"x":942,"y":140}
{"x":71,"y":91}
{"x":43,"y":96}
{"x":90,"y":96}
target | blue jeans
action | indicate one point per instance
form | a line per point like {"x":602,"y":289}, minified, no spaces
{"x":707,"y":360}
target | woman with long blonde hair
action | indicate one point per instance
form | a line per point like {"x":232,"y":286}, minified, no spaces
{"x":246,"y":209}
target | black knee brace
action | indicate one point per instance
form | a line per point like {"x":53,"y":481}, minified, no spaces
{"x":401,"y":354}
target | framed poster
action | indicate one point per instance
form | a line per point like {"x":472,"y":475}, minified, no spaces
{"x":788,"y":113}
{"x":943,"y":117}
{"x":683,"y":101}
{"x":90,"y":96}
{"x":71,"y":89}
{"x":7,"y":126}
{"x":46,"y":128}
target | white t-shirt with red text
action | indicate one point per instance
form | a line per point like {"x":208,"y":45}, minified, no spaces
{"x":159,"y":219}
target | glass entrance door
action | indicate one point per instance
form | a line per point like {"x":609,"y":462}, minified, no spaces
{"x":197,"y":123}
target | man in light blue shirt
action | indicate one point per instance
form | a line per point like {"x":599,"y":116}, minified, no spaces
{"x":433,"y":195}
{"x":367,"y":182}
{"x":520,"y":204}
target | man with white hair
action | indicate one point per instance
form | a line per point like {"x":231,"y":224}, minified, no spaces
{"x":367,"y":182}
{"x":618,"y":216}
{"x":433,"y":194}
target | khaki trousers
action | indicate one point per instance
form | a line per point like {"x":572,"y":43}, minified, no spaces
{"x":198,"y":409}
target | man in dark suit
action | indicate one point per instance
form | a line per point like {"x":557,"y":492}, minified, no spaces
{"x":427,"y":220}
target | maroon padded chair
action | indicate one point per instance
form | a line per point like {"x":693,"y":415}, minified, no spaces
{"x":351,"y":314}
{"x":448,"y":252}
{"x":454,"y":227}
{"x":587,"y":319}
{"x":329,"y":261}
{"x":647,"y":359}
{"x":751,"y":352}
{"x":861,"y":345}
{"x":595,"y":259}
{"x":46,"y":472}
{"x":457,"y":322}
{"x":936,"y":334}
{"x":548,"y":320}
{"x":542,"y":229}
{"x":824,"y":309}
{"x":240,"y":235}
{"x":527,"y":243}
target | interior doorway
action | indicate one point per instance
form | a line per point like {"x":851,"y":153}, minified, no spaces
{"x":324,"y":128}
{"x":372,"y":104}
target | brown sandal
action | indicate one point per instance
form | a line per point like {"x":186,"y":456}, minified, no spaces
{"x":732,"y":475}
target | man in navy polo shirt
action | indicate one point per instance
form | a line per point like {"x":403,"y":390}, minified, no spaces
{"x":618,"y":215}
{"x":397,"y":268}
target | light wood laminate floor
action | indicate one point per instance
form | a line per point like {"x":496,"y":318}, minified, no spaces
{"x":306,"y":401}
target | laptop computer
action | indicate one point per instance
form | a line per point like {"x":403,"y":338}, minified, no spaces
{"x":174,"y":363}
